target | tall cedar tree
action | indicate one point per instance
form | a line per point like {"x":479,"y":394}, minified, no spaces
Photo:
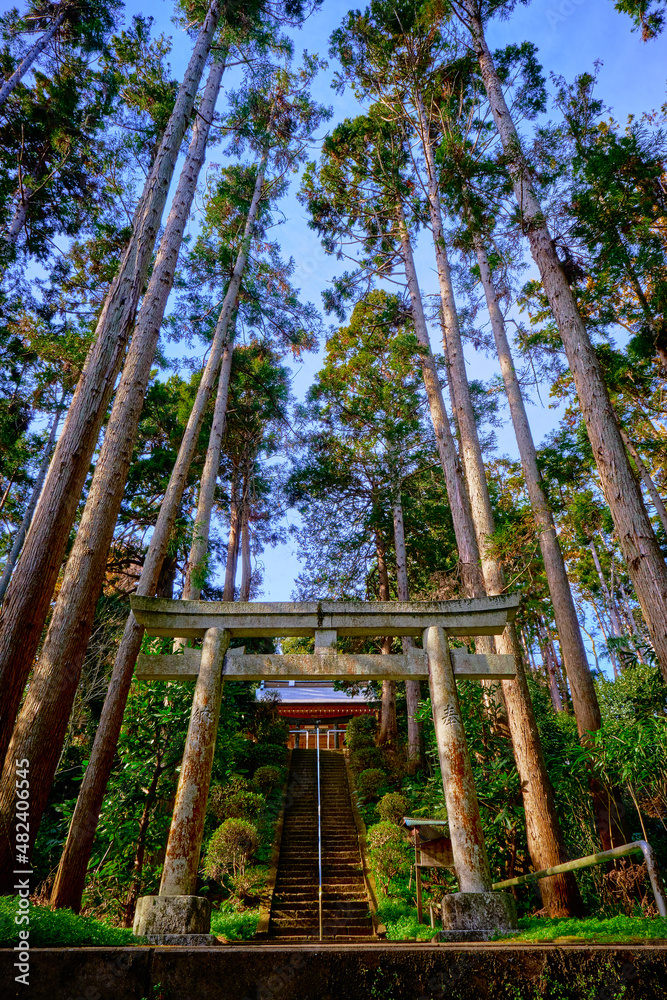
{"x":279,"y":137}
{"x":641,"y":552}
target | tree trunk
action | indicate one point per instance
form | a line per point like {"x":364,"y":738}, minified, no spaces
{"x":20,"y":214}
{"x":584,"y":698}
{"x":246,"y":566}
{"x":459,"y":503}
{"x":388,"y":723}
{"x":545,"y":839}
{"x":202,"y":525}
{"x":647,"y":479}
{"x":412,"y":688}
{"x":29,"y":594}
{"x":70,"y":879}
{"x":43,"y":720}
{"x":229,"y":592}
{"x":634,"y":531}
{"x":30,"y":509}
{"x":29,"y":58}
{"x":550,"y":672}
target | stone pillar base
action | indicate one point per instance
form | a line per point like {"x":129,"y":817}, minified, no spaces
{"x":173,"y":916}
{"x":189,"y":940}
{"x":476,"y":916}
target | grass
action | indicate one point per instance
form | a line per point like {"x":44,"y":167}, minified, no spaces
{"x":234,"y":925}
{"x":599,"y":930}
{"x":400,"y":919}
{"x":62,"y":928}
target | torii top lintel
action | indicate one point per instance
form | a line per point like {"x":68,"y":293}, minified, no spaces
{"x":191,"y":619}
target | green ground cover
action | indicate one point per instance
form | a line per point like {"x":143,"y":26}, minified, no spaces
{"x":401,"y":922}
{"x":601,"y":930}
{"x":233,"y":924}
{"x":59,"y":928}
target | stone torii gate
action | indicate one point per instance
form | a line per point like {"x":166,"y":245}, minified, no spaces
{"x":177,"y":914}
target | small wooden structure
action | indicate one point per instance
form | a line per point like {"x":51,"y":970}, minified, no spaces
{"x":217,"y":622}
{"x":432,"y":850}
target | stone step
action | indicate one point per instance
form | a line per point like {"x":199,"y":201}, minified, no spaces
{"x":298,"y":920}
{"x":357,"y":908}
{"x":311,"y":930}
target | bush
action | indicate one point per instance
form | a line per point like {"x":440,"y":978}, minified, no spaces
{"x":361,"y":732}
{"x":390,"y":853}
{"x":361,"y":760}
{"x":233,"y":801}
{"x":369,"y":782}
{"x":230,"y":848}
{"x":392,"y":807}
{"x":395,"y":764}
{"x":59,"y":928}
{"x":267,"y":778}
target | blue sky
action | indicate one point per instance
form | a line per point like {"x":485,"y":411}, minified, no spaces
{"x":570,"y":35}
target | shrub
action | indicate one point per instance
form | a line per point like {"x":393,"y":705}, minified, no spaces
{"x":234,"y":801}
{"x":361,"y":732}
{"x":230,"y":848}
{"x":367,"y":757}
{"x":247,"y":886}
{"x":369,"y":782}
{"x":390,"y":852}
{"x":267,"y":778}
{"x":392,"y":807}
{"x":394,"y":763}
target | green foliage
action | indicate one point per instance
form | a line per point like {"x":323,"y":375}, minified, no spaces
{"x":392,"y":807}
{"x":391,"y":854}
{"x":369,"y":782}
{"x":230,"y":849}
{"x":234,"y":925}
{"x":366,"y":757}
{"x":610,"y":930}
{"x":267,"y":778}
{"x":361,"y":732}
{"x":227,"y":803}
{"x":402,"y":922}
{"x":59,"y":928}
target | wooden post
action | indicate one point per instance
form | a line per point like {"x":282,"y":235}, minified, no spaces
{"x":418,"y":880}
{"x":181,"y":863}
{"x":465,"y":825}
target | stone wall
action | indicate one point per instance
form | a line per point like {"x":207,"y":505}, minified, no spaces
{"x":493,"y":971}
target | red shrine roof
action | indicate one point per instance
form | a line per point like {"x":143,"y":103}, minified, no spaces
{"x":316,"y":700}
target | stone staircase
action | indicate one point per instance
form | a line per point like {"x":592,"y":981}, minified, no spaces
{"x":294,"y":906}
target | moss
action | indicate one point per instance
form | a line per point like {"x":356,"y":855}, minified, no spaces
{"x":59,"y":928}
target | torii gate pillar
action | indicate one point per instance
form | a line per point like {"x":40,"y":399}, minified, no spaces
{"x":177,"y":912}
{"x":474,"y":912}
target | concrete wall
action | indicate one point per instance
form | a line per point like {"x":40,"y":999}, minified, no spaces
{"x":336,"y":972}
